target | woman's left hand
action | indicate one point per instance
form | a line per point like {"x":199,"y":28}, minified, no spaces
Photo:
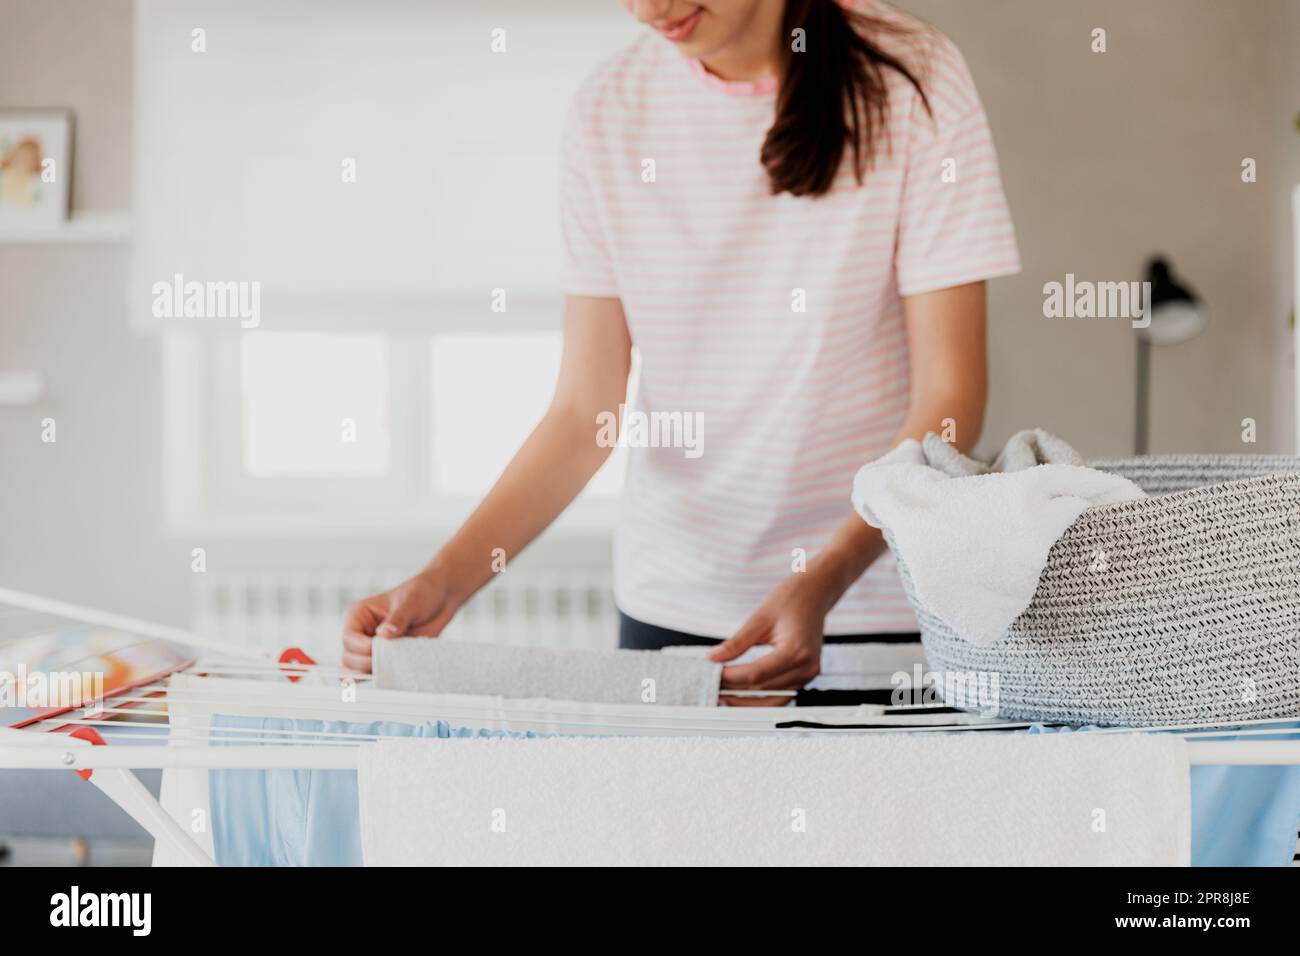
{"x":792,"y":619}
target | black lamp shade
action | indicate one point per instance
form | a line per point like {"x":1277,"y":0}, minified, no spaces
{"x":1177,"y":313}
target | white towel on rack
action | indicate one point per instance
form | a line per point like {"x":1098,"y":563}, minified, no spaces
{"x":251,"y":698}
{"x":974,"y":544}
{"x":867,"y":666}
{"x":184,"y":791}
{"x":444,"y":665}
{"x":933,"y":799}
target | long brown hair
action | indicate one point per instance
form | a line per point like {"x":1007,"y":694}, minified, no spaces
{"x":832,"y":97}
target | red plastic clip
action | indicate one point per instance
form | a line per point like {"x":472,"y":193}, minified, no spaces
{"x":91,"y":734}
{"x":295,"y":655}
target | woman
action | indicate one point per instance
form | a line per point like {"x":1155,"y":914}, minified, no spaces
{"x":790,"y":208}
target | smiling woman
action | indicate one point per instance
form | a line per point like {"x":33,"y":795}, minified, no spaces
{"x":753,"y":195}
{"x":606,"y":303}
{"x":833,"y":99}
{"x":680,"y":30}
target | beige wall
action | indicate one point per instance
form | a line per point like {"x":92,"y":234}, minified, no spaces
{"x":1106,"y":158}
{"x":1286,"y":113}
{"x":1110,"y":157}
{"x":74,"y":53}
{"x":79,"y":518}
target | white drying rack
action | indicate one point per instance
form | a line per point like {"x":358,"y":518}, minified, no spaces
{"x":235,"y":680}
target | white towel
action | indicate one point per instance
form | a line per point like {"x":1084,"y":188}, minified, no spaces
{"x":868,"y":666}
{"x":446,"y":666}
{"x":919,"y":799}
{"x":975,"y":545}
{"x":255,"y":698}
{"x":184,"y":792}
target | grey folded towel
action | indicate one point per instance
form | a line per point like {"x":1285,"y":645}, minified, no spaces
{"x":1024,"y":449}
{"x":447,"y":666}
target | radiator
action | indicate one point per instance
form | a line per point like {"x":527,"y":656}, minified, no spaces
{"x":305,"y":609}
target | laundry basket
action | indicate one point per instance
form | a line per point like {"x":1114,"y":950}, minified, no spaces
{"x":1179,"y":608}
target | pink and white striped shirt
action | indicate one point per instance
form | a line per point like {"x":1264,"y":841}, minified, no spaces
{"x":666,"y":207}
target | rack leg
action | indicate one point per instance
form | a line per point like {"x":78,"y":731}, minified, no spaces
{"x":125,"y":789}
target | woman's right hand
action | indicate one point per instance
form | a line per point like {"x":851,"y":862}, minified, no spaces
{"x":420,"y":606}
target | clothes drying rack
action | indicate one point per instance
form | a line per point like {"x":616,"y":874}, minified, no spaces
{"x":229,"y":678}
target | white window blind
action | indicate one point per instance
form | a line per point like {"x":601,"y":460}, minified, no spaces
{"x":379,"y":391}
{"x":241,"y":149}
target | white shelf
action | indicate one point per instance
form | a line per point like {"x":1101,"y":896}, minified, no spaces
{"x":21,"y":387}
{"x":106,"y":226}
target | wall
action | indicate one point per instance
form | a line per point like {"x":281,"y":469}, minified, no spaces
{"x":1106,"y":159}
{"x":79,"y":518}
{"x":1285,"y":68}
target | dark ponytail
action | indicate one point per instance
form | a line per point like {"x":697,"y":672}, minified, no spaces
{"x":833,"y":96}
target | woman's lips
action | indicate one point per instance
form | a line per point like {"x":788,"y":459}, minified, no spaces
{"x":679,"y":30}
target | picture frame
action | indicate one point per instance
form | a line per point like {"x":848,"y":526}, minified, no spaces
{"x":35,"y":169}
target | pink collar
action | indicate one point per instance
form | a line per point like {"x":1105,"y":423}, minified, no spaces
{"x":763,"y":87}
{"x":767,"y":85}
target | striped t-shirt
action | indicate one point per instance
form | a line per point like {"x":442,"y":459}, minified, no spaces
{"x":773,"y":324}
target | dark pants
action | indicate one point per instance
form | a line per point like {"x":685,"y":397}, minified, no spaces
{"x":638,"y":636}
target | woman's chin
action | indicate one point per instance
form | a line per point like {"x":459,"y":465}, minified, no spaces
{"x":698,"y":47}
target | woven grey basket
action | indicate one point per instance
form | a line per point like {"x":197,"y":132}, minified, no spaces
{"x":1179,"y":608}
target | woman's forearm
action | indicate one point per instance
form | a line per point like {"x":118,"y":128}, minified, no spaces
{"x":852,"y":549}
{"x":552,"y":466}
{"x":556,"y":461}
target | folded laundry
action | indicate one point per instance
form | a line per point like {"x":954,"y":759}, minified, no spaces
{"x":448,"y":666}
{"x":845,"y":667}
{"x":974,"y":539}
{"x":192,"y":715}
{"x":987,"y":799}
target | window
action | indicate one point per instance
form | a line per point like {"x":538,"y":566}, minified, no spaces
{"x":489,"y":390}
{"x":365,"y":399}
{"x":367,"y":432}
